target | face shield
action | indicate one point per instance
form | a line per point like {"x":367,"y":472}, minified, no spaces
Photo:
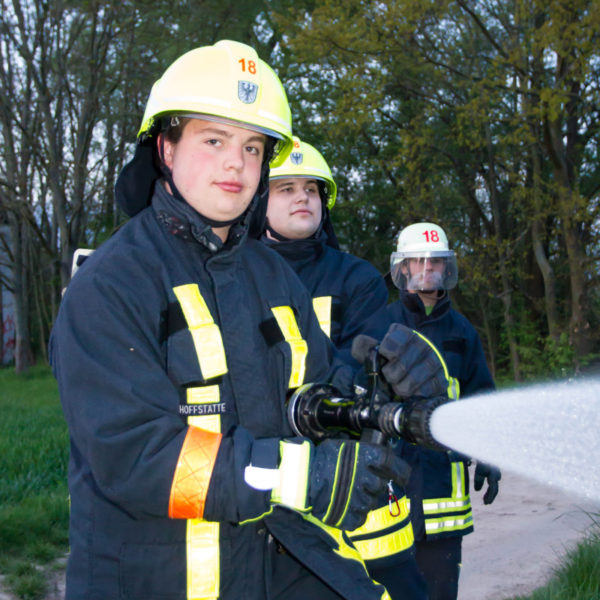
{"x":425,"y":271}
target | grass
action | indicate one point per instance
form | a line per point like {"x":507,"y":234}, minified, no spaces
{"x":578,"y":578}
{"x":34,"y":506}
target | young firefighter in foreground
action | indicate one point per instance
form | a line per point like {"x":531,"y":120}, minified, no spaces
{"x":175,"y":346}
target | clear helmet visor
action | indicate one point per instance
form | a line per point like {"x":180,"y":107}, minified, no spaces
{"x":424,"y":271}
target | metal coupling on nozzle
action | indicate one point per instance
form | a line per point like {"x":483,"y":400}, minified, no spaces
{"x":410,"y":420}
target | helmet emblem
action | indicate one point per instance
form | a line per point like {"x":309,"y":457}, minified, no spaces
{"x":296,"y":158}
{"x":247,"y":91}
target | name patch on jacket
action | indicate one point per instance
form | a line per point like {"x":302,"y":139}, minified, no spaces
{"x":202,"y":409}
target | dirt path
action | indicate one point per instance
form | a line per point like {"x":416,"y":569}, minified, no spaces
{"x":520,"y":538}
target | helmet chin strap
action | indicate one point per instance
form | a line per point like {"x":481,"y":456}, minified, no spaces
{"x":168,"y":176}
{"x":274,"y":234}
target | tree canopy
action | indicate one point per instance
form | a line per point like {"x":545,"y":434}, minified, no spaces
{"x":479,"y":116}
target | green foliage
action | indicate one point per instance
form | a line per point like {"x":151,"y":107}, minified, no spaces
{"x":481,"y":117}
{"x":34,"y":505}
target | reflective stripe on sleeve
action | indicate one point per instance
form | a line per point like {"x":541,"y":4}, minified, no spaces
{"x":286,"y":320}
{"x":192,"y":474}
{"x":293,"y":475}
{"x":205,"y":332}
{"x":322,"y":308}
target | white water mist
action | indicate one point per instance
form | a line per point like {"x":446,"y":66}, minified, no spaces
{"x":547,"y":432}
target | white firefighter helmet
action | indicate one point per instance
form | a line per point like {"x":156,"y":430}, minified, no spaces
{"x":434,"y":265}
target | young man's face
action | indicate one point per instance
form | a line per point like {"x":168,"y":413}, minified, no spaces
{"x":426,"y":274}
{"x":295,"y":207}
{"x":216,"y":167}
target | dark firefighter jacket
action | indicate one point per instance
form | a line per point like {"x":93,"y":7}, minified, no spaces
{"x":440,"y":504}
{"x":172,"y":355}
{"x":347,"y":292}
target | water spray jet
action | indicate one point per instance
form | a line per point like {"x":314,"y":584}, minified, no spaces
{"x":547,"y":432}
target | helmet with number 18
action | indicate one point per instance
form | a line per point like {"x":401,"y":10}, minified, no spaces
{"x":227,"y":83}
{"x":422,"y":260}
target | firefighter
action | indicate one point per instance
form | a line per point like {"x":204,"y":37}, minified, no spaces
{"x":346,"y":292}
{"x":174,"y":348}
{"x":424,"y":269}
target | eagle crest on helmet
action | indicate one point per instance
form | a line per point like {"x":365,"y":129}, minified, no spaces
{"x":296,"y":158}
{"x":247,"y":91}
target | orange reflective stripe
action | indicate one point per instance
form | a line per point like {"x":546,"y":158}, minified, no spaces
{"x":192,"y":474}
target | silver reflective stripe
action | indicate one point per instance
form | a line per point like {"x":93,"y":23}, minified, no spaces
{"x":431,"y":506}
{"x":447,"y":524}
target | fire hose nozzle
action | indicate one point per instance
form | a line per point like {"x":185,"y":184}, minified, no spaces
{"x":318,"y":411}
{"x":410,"y":420}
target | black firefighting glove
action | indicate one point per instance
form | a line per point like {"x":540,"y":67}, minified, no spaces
{"x":411,"y":366}
{"x":341,"y":481}
{"x":484,"y":471}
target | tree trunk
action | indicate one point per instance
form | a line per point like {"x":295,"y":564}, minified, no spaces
{"x":506,"y":294}
{"x":23,"y":352}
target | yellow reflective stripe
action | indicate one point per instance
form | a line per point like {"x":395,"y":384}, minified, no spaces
{"x":390,"y":543}
{"x":344,"y":549}
{"x":459,"y":500}
{"x":322,"y":308}
{"x":453,"y":386}
{"x":203,"y":573}
{"x":386,"y":545}
{"x":209,"y":394}
{"x":202,"y":537}
{"x":293,"y":472}
{"x":380,"y":519}
{"x":289,"y":327}
{"x":205,"y":333}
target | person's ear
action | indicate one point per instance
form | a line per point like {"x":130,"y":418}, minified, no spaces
{"x":165,"y":150}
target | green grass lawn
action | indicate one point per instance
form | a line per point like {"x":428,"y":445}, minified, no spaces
{"x":34,"y":500}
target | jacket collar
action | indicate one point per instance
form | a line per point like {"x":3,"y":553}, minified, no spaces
{"x":299,"y":250}
{"x":182,"y":221}
{"x":415,"y":305}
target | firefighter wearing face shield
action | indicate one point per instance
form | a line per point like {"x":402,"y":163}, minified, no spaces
{"x":424,"y":269}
